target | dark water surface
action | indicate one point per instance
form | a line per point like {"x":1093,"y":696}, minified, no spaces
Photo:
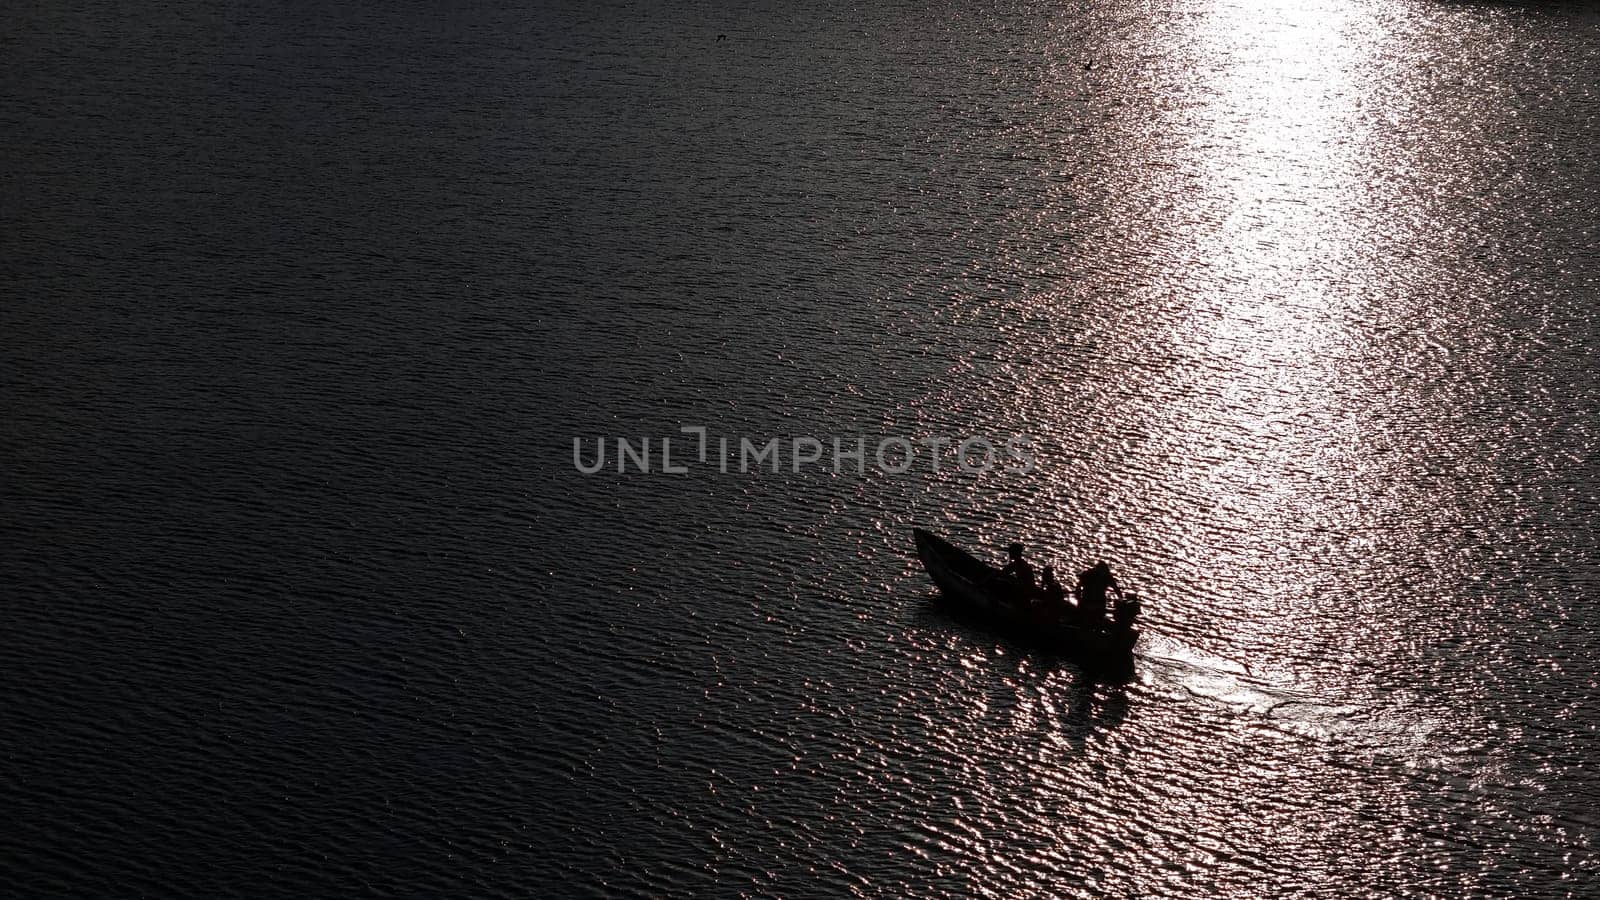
{"x":302,"y":593}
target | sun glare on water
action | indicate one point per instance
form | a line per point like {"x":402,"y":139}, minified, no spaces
{"x":1277,"y":235}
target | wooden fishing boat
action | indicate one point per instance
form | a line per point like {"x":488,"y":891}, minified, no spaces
{"x":975,"y":589}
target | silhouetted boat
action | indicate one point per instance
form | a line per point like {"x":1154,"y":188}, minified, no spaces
{"x":972,"y":587}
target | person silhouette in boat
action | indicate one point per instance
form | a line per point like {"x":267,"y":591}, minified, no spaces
{"x":1019,"y":573}
{"x":1052,"y":597}
{"x":1093,"y":584}
{"x":1051,"y":591}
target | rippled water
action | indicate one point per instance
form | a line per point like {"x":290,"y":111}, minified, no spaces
{"x":303,"y":593}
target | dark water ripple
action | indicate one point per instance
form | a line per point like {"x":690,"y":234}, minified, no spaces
{"x":302,"y":594}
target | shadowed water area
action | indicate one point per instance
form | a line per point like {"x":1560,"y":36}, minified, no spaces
{"x":302,"y":593}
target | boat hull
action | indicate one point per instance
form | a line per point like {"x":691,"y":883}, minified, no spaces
{"x":971,"y":587}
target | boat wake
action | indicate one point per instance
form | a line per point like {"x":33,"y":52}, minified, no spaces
{"x":1387,"y":728}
